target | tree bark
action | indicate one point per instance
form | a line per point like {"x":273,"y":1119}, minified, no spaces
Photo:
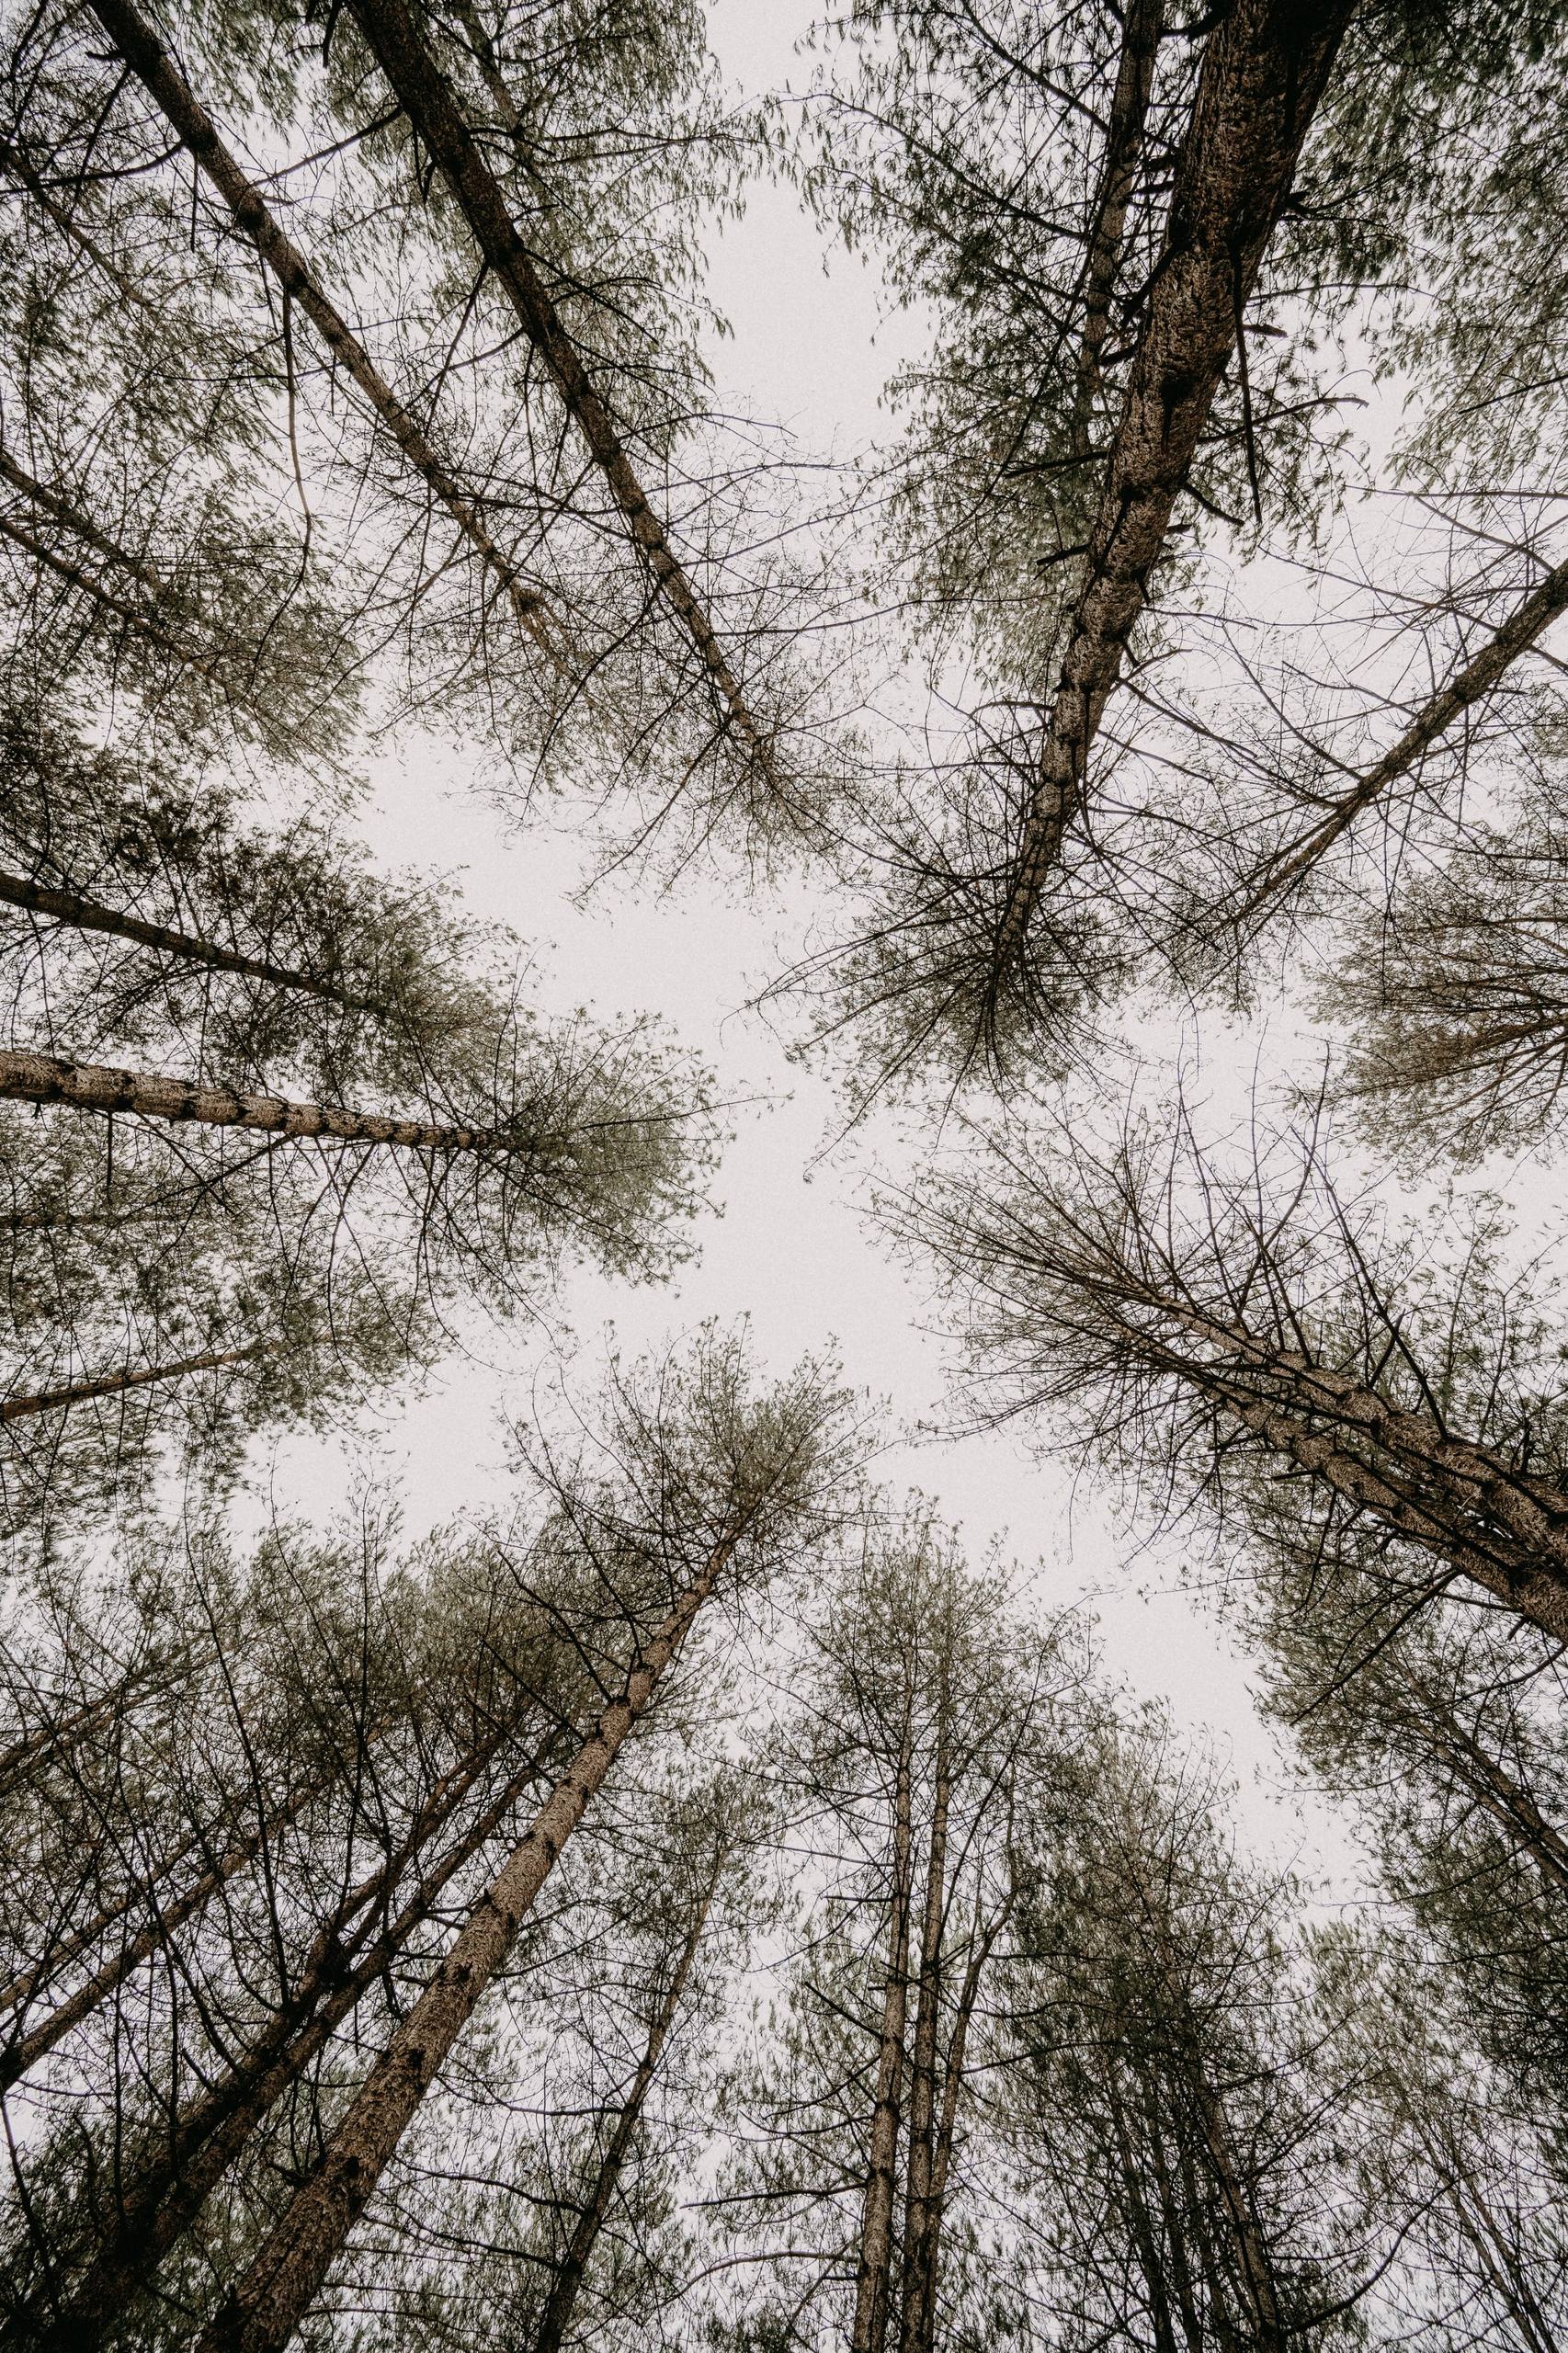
{"x":423,"y":92}
{"x":873,"y":2278}
{"x":574,"y":2265}
{"x":161,"y":2200}
{"x":90,"y":915}
{"x":919,"y":2164}
{"x":148,"y":59}
{"x":114,"y":1384}
{"x":1265,"y":70}
{"x":1524,"y":626}
{"x":1140,"y":30}
{"x":89,"y":1086}
{"x":267,"y":2305}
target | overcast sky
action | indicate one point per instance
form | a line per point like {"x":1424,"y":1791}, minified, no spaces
{"x":812,"y":345}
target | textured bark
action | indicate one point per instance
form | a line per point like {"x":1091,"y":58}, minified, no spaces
{"x":1140,"y":27}
{"x":90,"y":915}
{"x":265,"y":2308}
{"x":423,"y":94}
{"x":573,"y":2267}
{"x":1501,"y":1527}
{"x":159,"y":2203}
{"x":918,"y":2208}
{"x":89,"y":1086}
{"x":873,"y":2276}
{"x":115,"y":1384}
{"x":1519,"y":633}
{"x":148,"y":59}
{"x":1264,"y":71}
{"x":1267,"y":2328}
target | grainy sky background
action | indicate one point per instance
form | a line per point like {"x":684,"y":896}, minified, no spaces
{"x":812,"y":347}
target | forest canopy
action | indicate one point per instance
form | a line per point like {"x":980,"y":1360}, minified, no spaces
{"x":676,"y":1878}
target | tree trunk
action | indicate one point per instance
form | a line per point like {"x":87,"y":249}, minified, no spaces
{"x":423,"y":92}
{"x":74,"y":520}
{"x":262,"y":2312}
{"x":947,"y":2125}
{"x":1140,"y":28}
{"x":1264,"y":72}
{"x":114,"y":1384}
{"x":27,"y":2049}
{"x":133,"y":616}
{"x":1504,"y":1528}
{"x":1533,"y":615}
{"x":88,"y":914}
{"x":145,"y":54}
{"x":161,"y":2200}
{"x":89,"y":1086}
{"x":873,"y":2278}
{"x":570,"y":2274}
{"x":1140,"y":2226}
{"x":13,"y":161}
{"x":919,"y":2164}
{"x":1496,"y":1792}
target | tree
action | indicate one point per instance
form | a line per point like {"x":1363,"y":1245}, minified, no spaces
{"x":1172,"y":2109}
{"x":925,"y":1706}
{"x":1204,"y":1327}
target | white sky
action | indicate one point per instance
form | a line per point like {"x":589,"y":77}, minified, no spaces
{"x":793,"y":1251}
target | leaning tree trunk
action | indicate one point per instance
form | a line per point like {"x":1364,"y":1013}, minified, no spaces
{"x":71,"y":518}
{"x":159,"y":2203}
{"x":24,"y":2049}
{"x":262,"y":2312}
{"x":135,"y":617}
{"x":1265,"y":70}
{"x":90,"y":1086}
{"x":1524,"y":626}
{"x":81,"y":914}
{"x":873,"y":2278}
{"x":1507,"y":1801}
{"x":115,"y":1384}
{"x":570,"y":2273}
{"x":920,"y":2162}
{"x":143,"y":50}
{"x":423,"y":92}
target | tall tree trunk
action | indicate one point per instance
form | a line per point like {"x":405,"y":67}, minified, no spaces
{"x":874,"y":2273}
{"x":423,"y":92}
{"x":159,"y":2202}
{"x":1253,"y":2259}
{"x":1525,"y":625}
{"x":114,"y":1384}
{"x":573,"y":2267}
{"x":262,"y":2312}
{"x":1504,"y":1528}
{"x":1183,"y":2281}
{"x":1141,"y":2225}
{"x":89,"y":1086}
{"x":947,"y":2123}
{"x":1140,"y":28}
{"x":145,"y":54}
{"x":90,"y":915}
{"x":918,"y":2211}
{"x":1264,"y":72}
